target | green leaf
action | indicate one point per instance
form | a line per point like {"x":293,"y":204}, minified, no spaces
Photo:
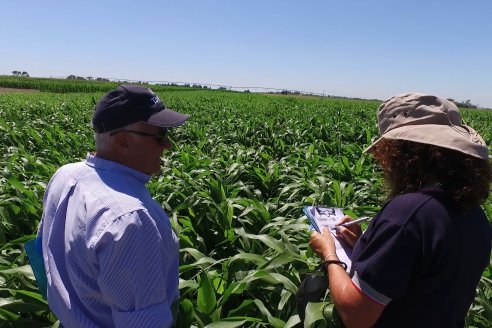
{"x":281,"y":259}
{"x":233,"y":288}
{"x":21,"y":240}
{"x":20,"y":187}
{"x":285,"y":296}
{"x":243,"y":308}
{"x":249,"y":257}
{"x":187,"y":284}
{"x":267,"y":240}
{"x":203,"y":263}
{"x":276,"y":322}
{"x":26,"y":295}
{"x":16,"y":305}
{"x":24,"y":270}
{"x":185,"y":314}
{"x":206,"y":299}
{"x":293,"y":321}
{"x":314,"y":313}
{"x":230,"y":212}
{"x":7,"y":315}
{"x":226,"y":324}
{"x":193,"y":252}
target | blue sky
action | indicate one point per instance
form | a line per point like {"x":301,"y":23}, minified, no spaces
{"x":366,"y":49}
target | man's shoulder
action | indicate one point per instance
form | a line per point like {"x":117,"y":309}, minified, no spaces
{"x":64,"y":177}
{"x":69,"y":170}
{"x":113,"y":192}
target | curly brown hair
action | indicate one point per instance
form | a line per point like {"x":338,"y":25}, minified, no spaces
{"x":409,"y":166}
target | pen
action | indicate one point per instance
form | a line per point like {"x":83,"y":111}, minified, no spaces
{"x":348,"y":224}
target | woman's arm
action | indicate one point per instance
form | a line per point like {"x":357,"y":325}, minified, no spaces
{"x":355,"y":308}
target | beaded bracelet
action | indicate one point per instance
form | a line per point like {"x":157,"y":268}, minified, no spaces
{"x":340,"y":263}
{"x":327,"y":256}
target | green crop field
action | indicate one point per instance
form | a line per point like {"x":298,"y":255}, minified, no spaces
{"x":233,"y":185}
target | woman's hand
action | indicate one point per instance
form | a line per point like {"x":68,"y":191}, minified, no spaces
{"x":351,"y":233}
{"x":323,"y":244}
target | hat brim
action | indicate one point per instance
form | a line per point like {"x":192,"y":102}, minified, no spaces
{"x":460,"y":138}
{"x":167,"y":118}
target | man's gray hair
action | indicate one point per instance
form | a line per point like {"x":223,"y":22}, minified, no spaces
{"x":104,"y":141}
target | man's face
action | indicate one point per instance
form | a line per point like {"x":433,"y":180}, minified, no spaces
{"x":146,"y":146}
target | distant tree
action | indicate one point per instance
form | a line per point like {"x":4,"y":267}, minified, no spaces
{"x":468,"y":104}
{"x":75,"y":77}
{"x":463,"y":104}
{"x":19,"y":73}
{"x":288,"y":92}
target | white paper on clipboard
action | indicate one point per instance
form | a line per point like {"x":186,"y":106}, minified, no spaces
{"x":326,"y":217}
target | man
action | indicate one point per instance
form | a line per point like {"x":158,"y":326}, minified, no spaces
{"x":110,"y":255}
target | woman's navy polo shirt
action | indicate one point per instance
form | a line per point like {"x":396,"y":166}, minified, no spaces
{"x":422,"y":259}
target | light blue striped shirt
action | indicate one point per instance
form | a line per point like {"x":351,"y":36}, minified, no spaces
{"x":110,"y":254}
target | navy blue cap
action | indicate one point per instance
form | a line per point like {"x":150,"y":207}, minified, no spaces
{"x":130,"y":104}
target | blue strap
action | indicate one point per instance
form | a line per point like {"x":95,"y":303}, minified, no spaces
{"x":34,"y":253}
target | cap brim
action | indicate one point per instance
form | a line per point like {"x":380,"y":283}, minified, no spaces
{"x":460,"y":138}
{"x":168,"y":118}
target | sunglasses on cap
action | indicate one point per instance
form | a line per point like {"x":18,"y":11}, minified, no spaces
{"x":160,"y":137}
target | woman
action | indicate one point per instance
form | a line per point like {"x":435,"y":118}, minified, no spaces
{"x":421,"y":258}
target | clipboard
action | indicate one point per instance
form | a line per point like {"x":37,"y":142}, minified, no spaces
{"x":322,"y":217}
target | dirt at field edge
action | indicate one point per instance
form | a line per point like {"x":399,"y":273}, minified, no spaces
{"x":11,"y":90}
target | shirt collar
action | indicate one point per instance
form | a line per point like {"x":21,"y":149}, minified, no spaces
{"x":99,"y":163}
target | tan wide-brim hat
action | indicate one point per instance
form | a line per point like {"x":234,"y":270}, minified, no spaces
{"x":430,"y":120}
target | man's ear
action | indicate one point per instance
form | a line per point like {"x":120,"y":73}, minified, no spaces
{"x":120,"y":143}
